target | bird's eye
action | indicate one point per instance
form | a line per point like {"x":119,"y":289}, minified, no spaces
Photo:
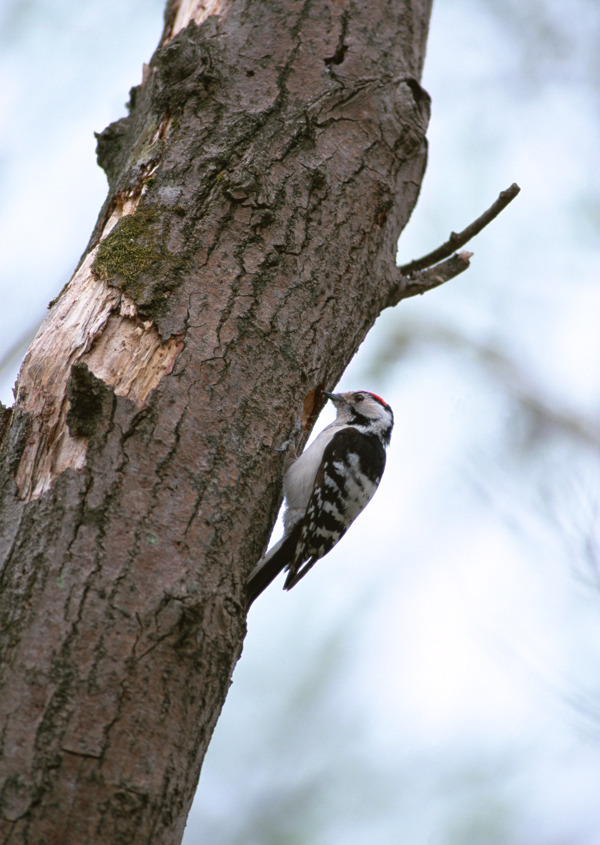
{"x":359,"y":397}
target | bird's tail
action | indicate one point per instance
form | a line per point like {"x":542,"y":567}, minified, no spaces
{"x":269,"y":567}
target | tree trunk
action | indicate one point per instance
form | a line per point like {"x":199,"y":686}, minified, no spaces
{"x":271,"y":157}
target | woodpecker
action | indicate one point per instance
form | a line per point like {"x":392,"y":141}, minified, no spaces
{"x":327,"y":487}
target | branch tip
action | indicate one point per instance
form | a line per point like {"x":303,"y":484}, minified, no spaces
{"x":458,"y":239}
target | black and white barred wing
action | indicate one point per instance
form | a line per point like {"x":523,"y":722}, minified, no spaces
{"x":349,"y":474}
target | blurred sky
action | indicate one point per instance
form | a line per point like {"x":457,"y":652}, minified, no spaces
{"x":436,"y":678}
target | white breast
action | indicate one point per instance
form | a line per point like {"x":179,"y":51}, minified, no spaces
{"x":299,"y":480}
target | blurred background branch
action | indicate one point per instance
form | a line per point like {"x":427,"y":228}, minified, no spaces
{"x":542,"y":413}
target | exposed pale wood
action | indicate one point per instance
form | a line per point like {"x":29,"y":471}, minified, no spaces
{"x":68,"y":331}
{"x":192,"y":10}
{"x":96,"y":324}
{"x":131,"y":357}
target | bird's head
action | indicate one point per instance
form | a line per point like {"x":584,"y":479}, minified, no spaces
{"x":365,"y":410}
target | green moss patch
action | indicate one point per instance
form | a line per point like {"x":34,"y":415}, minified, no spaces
{"x":133,"y":248}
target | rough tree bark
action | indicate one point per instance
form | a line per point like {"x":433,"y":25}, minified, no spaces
{"x":271,"y":157}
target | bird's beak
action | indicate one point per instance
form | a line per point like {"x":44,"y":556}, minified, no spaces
{"x":336,"y":398}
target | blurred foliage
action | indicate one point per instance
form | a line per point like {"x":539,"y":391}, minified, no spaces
{"x":540,"y":416}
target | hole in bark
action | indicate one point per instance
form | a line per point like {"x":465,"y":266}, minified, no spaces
{"x":338,"y":56}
